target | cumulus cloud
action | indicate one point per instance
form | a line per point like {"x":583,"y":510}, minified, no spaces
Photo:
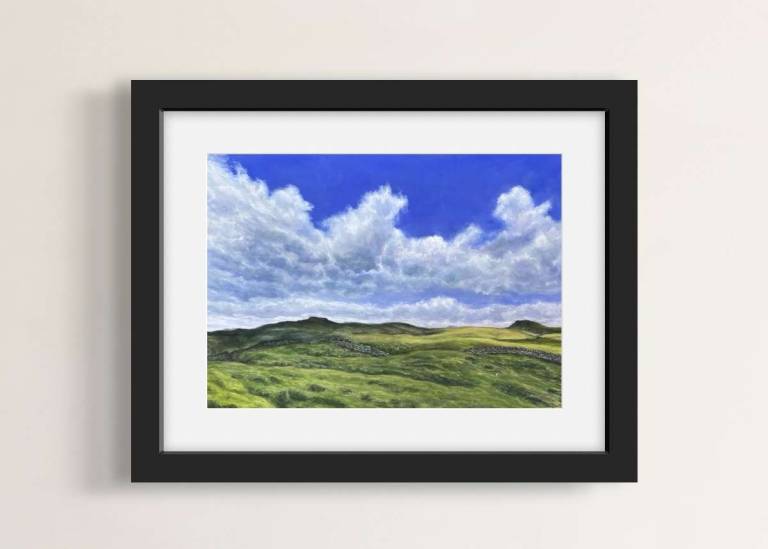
{"x":264,"y":250}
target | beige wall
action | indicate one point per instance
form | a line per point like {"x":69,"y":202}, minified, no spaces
{"x":64,"y":220}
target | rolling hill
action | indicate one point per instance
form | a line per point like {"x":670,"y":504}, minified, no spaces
{"x":320,"y":363}
{"x":532,"y":327}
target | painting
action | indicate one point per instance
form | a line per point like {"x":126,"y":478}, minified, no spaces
{"x":384,"y":281}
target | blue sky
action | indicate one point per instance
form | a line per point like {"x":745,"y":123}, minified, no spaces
{"x":429,"y":239}
{"x":445,"y":192}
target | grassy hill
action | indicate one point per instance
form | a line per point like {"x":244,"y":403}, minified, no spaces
{"x":531,"y":327}
{"x":320,"y":363}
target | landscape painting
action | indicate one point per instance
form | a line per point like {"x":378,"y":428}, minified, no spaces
{"x":384,"y":281}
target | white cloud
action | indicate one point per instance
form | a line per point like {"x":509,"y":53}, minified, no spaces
{"x":360,"y":237}
{"x":263,"y":246}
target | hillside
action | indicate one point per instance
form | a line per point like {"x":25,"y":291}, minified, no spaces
{"x":320,"y":363}
{"x":533,"y":327}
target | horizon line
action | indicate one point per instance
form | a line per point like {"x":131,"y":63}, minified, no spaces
{"x":321,"y":318}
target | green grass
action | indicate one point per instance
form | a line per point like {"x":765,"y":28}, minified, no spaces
{"x":317,"y":363}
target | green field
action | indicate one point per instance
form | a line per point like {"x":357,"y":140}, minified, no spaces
{"x":316,"y":363}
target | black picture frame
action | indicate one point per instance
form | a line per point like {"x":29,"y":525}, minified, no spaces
{"x":617,"y":98}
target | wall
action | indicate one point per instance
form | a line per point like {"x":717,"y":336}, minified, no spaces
{"x":64,"y":216}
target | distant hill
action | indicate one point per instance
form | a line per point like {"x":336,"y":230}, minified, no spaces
{"x":223,"y":343}
{"x":319,"y":323}
{"x":533,"y":327}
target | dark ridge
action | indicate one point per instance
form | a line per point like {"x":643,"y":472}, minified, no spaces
{"x":534,"y":327}
{"x":235,"y":331}
{"x":312,"y":326}
{"x":312,"y":320}
{"x":315,"y":320}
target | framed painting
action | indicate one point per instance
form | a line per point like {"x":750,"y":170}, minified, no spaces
{"x":363,"y":281}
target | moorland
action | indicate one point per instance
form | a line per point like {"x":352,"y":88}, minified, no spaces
{"x":316,"y":363}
